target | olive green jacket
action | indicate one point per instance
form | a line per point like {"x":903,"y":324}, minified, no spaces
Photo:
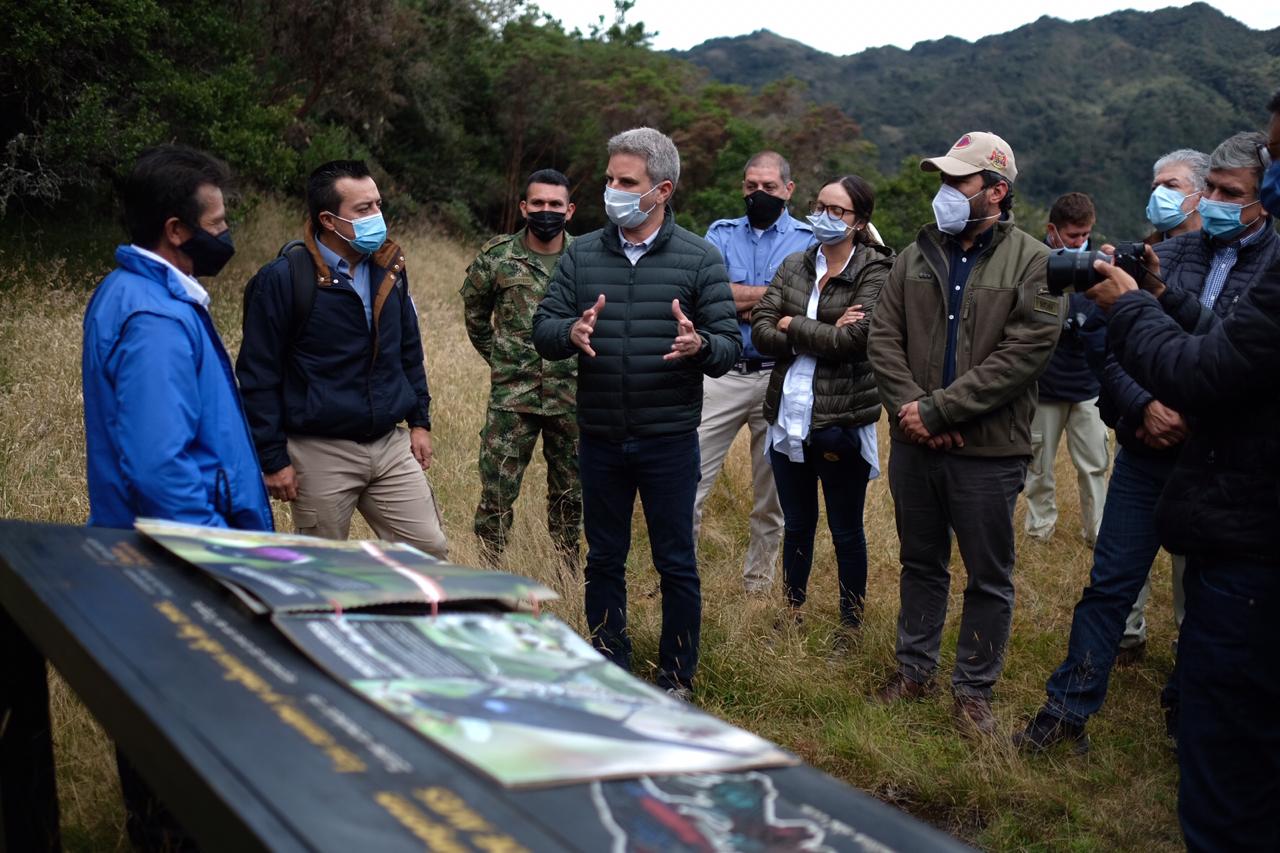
{"x":503,"y":287}
{"x":1009,"y":326}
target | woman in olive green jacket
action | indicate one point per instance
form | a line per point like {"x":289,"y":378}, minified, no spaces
{"x":822,"y":404}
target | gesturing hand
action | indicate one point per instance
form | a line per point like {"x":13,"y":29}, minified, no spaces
{"x":580,"y":334}
{"x":687,"y":341}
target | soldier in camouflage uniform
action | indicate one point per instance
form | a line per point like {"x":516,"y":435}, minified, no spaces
{"x":527,"y":395}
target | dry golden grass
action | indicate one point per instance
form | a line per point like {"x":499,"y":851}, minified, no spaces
{"x":1120,"y":797}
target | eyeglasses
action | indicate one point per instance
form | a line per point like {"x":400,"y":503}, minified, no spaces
{"x":833,"y":210}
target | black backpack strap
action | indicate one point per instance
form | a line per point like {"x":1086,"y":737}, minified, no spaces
{"x":302,"y":273}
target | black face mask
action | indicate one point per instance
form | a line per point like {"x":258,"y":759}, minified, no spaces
{"x":209,"y":253}
{"x":546,"y":225}
{"x":763,"y":209}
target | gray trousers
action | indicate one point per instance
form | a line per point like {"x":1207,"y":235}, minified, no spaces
{"x":935,"y":493}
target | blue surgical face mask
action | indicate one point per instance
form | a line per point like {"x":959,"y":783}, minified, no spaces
{"x":370,"y":231}
{"x":623,"y":208}
{"x":1164,"y":209}
{"x":1221,"y":219}
{"x":828,"y":230}
{"x":1269,"y":192}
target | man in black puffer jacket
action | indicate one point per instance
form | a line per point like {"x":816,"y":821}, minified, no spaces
{"x":1206,"y":276}
{"x":1222,"y":508}
{"x":646,"y":307}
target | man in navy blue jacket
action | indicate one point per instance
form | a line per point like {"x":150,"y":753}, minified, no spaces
{"x":328,"y":384}
{"x":1207,"y":276}
{"x":1221,"y":507}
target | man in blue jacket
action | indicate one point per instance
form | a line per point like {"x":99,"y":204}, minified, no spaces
{"x":645,"y":307}
{"x":164,"y":430}
{"x":165,"y":435}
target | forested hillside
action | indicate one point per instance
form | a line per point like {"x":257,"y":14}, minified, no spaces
{"x":1086,"y":106}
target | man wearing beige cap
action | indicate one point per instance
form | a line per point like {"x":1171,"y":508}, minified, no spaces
{"x":963,"y":327}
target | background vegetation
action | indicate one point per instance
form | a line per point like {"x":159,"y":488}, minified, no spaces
{"x":786,"y":686}
{"x":1086,"y":106}
{"x":454,"y":101}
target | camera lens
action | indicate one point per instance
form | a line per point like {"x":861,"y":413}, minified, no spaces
{"x":1073,"y":271}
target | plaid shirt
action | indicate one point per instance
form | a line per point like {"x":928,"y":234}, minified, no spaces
{"x":1224,"y":260}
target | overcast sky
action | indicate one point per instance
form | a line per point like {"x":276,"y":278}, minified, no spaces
{"x":848,"y":26}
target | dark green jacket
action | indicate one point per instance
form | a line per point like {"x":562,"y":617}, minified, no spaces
{"x":1008,"y":328}
{"x":627,"y":390}
{"x":844,"y":391}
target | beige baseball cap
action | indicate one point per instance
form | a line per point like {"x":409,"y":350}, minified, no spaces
{"x":974,"y":152}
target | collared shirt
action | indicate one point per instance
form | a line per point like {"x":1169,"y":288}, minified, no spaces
{"x":752,"y":258}
{"x":1224,"y":261}
{"x":961,"y":263}
{"x":359,"y":279}
{"x":635,"y":251}
{"x":193,"y":287}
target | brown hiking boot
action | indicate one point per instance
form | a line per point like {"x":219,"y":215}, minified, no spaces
{"x":900,"y":687}
{"x":973,"y":715}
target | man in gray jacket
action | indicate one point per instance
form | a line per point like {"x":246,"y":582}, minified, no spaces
{"x":963,"y":328}
{"x":646,"y":308}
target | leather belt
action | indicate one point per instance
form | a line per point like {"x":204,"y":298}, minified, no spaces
{"x":752,"y":365}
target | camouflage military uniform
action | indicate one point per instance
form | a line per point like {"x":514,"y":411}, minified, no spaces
{"x":527,"y":395}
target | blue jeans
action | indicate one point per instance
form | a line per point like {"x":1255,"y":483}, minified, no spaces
{"x":1229,"y":725}
{"x":665,"y":472}
{"x":844,"y":489}
{"x":1127,"y":544}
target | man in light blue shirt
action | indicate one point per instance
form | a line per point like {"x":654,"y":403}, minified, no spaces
{"x":753,"y":247}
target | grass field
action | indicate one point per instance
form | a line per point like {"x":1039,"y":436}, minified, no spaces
{"x":785,"y":687}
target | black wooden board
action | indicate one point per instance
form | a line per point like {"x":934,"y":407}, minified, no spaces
{"x":254,"y":747}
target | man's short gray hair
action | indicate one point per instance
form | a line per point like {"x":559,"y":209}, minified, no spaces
{"x":1239,"y":152}
{"x":1197,"y":162}
{"x":661,"y":159}
{"x":770,"y":158}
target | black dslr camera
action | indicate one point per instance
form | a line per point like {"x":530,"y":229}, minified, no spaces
{"x":1074,"y":272}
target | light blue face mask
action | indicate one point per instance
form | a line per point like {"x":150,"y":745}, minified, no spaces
{"x":623,"y":208}
{"x":1164,"y":210}
{"x":371,"y":233}
{"x":1221,"y":219}
{"x":827,"y":229}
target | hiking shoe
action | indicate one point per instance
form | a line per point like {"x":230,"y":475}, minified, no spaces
{"x":684,"y":693}
{"x":1131,"y":655}
{"x":899,"y":687}
{"x":1045,"y":731}
{"x":973,"y":715}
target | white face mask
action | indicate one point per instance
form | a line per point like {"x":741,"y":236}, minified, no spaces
{"x":951,"y":209}
{"x":623,"y":208}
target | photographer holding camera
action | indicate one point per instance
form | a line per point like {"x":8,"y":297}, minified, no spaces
{"x":1222,"y":508}
{"x":1204,"y":275}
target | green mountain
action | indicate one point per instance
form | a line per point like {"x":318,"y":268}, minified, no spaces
{"x":1086,"y":106}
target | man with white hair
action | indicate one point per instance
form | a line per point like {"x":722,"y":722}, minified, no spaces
{"x":1177,"y":182}
{"x":646,"y":307}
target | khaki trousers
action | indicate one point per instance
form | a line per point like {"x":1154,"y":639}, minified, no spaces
{"x":728,"y":403}
{"x":380,"y":478}
{"x":1087,"y":443}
